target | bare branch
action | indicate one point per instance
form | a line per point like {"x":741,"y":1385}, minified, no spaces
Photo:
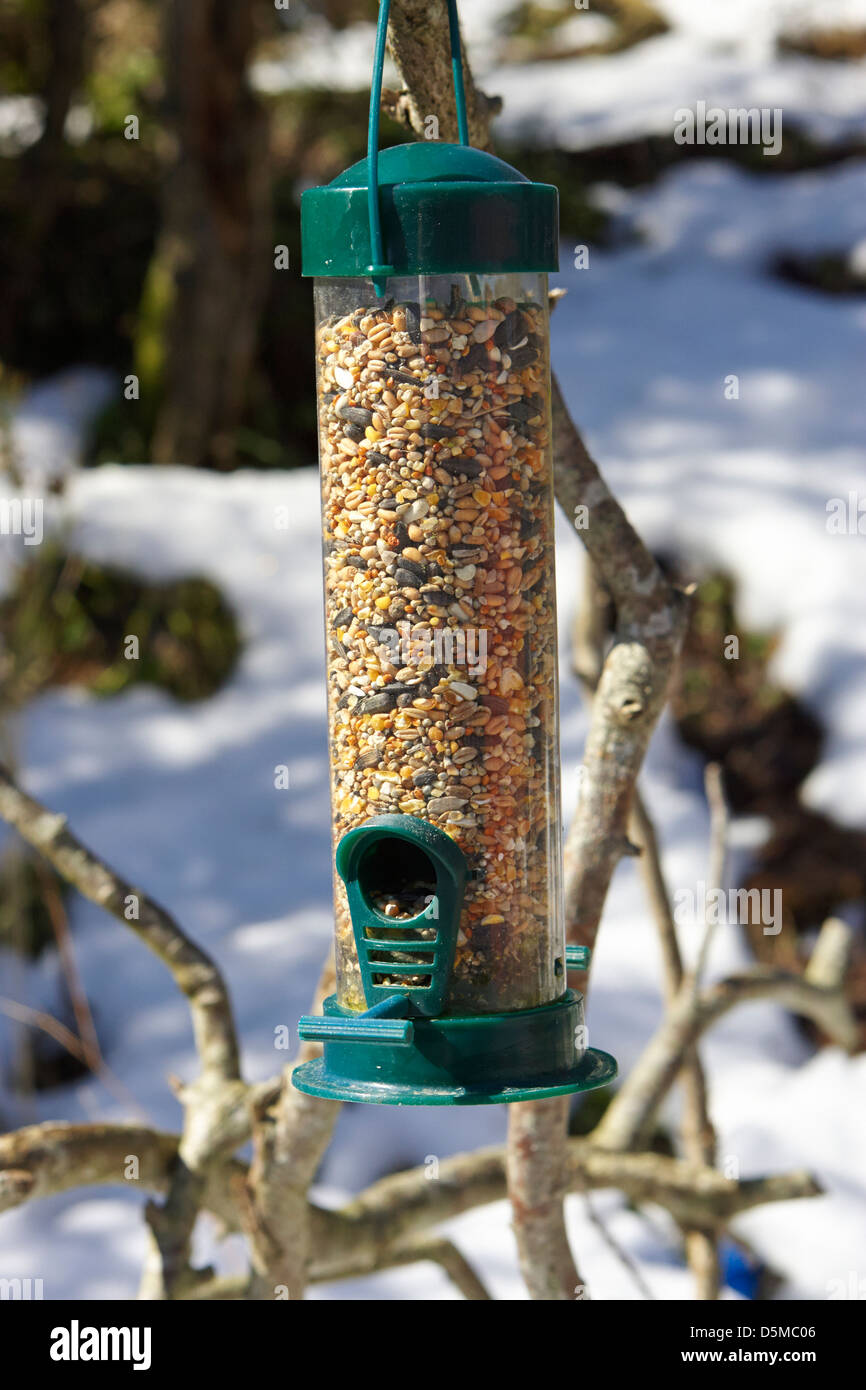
{"x":452,"y":1261}
{"x":396,"y":1207}
{"x":366,"y":1259}
{"x":80,"y":1005}
{"x":418,"y":39}
{"x":650,"y":623}
{"x":61,"y":1157}
{"x":699,"y":1137}
{"x":828,"y":962}
{"x":212,"y":1101}
{"x":47,"y":1023}
{"x":537,"y":1183}
{"x":718,"y":853}
{"x":629,"y":1265}
{"x":631,"y":690}
{"x":390,"y":1216}
{"x":630,"y":1114}
{"x":290,"y":1142}
{"x":193,"y":970}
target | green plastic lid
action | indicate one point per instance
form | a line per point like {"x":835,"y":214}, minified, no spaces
{"x":444,"y":209}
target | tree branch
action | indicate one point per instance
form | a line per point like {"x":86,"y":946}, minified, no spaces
{"x":819,"y":995}
{"x":650,"y":623}
{"x":195,"y":974}
{"x":212,"y":1101}
{"x":59,"y":1158}
{"x":418,"y":39}
{"x":537,"y":1184}
{"x":391,"y":1217}
{"x":698,"y":1133}
{"x":630,"y":694}
{"x":290,"y":1142}
{"x":404,"y":1204}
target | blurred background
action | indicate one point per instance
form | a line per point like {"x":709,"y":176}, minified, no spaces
{"x":156,"y":398}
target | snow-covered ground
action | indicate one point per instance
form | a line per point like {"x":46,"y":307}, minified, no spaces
{"x":182,"y":798}
{"x":724,"y":54}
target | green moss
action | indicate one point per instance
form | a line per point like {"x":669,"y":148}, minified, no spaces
{"x":157,"y":297}
{"x":25,"y":920}
{"x":536,"y":27}
{"x":828,"y":272}
{"x":533,"y":21}
{"x":122,"y":90}
{"x":69,"y":621}
{"x":122,"y":431}
{"x":729,"y":708}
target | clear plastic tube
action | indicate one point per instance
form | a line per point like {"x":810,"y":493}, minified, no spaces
{"x":440,"y":608}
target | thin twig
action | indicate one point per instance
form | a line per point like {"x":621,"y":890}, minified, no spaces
{"x":66,"y":951}
{"x":193,"y":970}
{"x":590,"y":638}
{"x":716,"y":869}
{"x":627,"y":1119}
{"x":698,"y":1133}
{"x":437,"y":1249}
{"x":43,"y":1160}
{"x":290,"y":1140}
{"x":47,"y":1023}
{"x":212,"y":1101}
{"x":629,"y":1265}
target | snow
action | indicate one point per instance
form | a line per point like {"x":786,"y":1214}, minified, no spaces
{"x":724,"y":54}
{"x":21,"y":121}
{"x":648,"y":338}
{"x":51,"y":420}
{"x":181,"y":798}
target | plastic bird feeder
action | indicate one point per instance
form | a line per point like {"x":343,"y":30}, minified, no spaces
{"x":430,"y":265}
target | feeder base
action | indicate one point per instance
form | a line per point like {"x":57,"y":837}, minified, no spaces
{"x":485,"y":1059}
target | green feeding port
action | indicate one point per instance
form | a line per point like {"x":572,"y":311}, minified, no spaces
{"x":405,"y":880}
{"x":433,"y":393}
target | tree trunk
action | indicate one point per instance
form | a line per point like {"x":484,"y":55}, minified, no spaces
{"x":214,"y":254}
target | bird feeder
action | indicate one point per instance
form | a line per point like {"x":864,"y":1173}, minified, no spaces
{"x":430,"y":263}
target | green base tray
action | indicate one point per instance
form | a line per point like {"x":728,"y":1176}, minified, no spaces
{"x":596,"y":1069}
{"x":488,"y":1059}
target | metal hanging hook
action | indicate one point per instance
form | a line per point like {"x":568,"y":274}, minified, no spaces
{"x":378,"y":269}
